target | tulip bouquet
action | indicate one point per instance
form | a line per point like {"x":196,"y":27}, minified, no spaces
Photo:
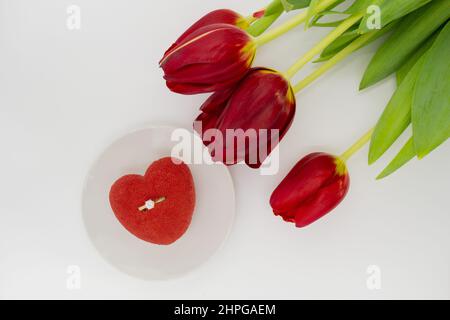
{"x":217,"y":52}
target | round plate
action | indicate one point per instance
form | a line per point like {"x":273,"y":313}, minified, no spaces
{"x":211,"y":223}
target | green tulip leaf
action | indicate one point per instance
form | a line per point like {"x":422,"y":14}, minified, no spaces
{"x":405,"y":155}
{"x":331,"y":24}
{"x":317,"y":11}
{"x":396,"y":116}
{"x":319,"y":14}
{"x":312,"y":11}
{"x":339,"y":44}
{"x":390,"y":10}
{"x":272,"y":13}
{"x":342,"y":42}
{"x":404,"y":70}
{"x":290,"y":5}
{"x":413,"y":30}
{"x":361,"y":6}
{"x":273,"y":8}
{"x":431,"y":102}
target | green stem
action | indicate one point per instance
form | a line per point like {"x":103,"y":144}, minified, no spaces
{"x":290,"y":24}
{"x":250,"y":19}
{"x":341,"y":55}
{"x":282,"y":29}
{"x":357,"y":146}
{"x":318,"y":48}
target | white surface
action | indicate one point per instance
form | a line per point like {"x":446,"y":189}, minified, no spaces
{"x":211,"y":223}
{"x":65,"y":94}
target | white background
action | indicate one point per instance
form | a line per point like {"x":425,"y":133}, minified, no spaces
{"x":64,"y":95}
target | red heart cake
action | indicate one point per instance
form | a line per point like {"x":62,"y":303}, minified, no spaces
{"x":169,"y":188}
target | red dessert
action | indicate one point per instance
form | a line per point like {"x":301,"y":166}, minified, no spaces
{"x":158,"y":206}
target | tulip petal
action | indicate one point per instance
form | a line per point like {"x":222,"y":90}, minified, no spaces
{"x":217,"y":101}
{"x":251,"y":116}
{"x":200,"y":47}
{"x":224,"y":16}
{"x":209,"y":72}
{"x":212,"y":58}
{"x":198,"y":88}
{"x":323,"y":202}
{"x":303,"y":181}
{"x":260,"y":104}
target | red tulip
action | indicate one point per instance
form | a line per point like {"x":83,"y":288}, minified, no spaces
{"x":217,"y":16}
{"x":313,"y":188}
{"x":209,"y":59}
{"x":264,"y":99}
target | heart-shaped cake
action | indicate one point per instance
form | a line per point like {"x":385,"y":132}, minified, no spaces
{"x":157,"y":207}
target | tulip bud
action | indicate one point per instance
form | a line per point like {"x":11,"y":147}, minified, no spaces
{"x":258,"y":111}
{"x":313,"y":188}
{"x":211,"y":58}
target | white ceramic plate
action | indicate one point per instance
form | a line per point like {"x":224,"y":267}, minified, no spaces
{"x":212,"y":220}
